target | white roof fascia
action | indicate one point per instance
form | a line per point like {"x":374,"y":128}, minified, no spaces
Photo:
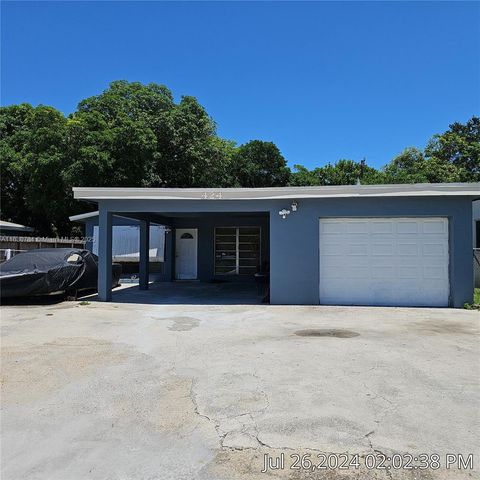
{"x":83,"y":216}
{"x":86,"y":216}
{"x":272,"y":193}
{"x":14,"y":226}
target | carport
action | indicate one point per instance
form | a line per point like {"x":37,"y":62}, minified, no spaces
{"x":206,"y":247}
{"x":205,"y":241}
{"x":401,"y":245}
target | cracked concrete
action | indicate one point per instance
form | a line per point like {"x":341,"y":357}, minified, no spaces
{"x":204,"y":392}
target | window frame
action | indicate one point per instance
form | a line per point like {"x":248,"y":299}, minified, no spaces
{"x":237,"y":250}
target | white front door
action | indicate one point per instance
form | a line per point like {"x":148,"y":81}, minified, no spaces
{"x":384,"y":261}
{"x":186,"y":253}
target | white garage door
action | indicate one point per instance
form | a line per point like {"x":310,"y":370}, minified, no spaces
{"x":384,"y":261}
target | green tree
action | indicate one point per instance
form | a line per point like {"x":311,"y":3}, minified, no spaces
{"x":407,"y":167}
{"x":115,"y":134}
{"x":32,"y":161}
{"x":411,"y":166}
{"x":189,"y":152}
{"x":14,"y":133}
{"x":136,"y":135}
{"x":131,"y":100}
{"x":458,"y":146}
{"x":129,"y":135}
{"x":344,"y":172}
{"x":303,"y":177}
{"x":259,"y":164}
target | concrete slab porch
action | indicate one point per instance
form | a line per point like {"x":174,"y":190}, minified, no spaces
{"x":187,"y":293}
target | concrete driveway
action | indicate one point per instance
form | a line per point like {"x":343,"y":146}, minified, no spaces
{"x":135,"y":391}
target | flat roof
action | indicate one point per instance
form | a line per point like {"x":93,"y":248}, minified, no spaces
{"x":272,"y":193}
{"x":4,"y":225}
{"x":83,"y":216}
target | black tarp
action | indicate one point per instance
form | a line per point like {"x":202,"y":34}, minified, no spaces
{"x":50,"y":270}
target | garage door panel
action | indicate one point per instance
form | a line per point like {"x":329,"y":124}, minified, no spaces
{"x":333,"y":250}
{"x":380,"y":238}
{"x":381,"y":227}
{"x":432,"y":261}
{"x":378,"y":261}
{"x":331,"y":227}
{"x":434,"y":272}
{"x":408,"y":261}
{"x":360,"y":227}
{"x":384,"y":273}
{"x":331,"y":261}
{"x":336,"y":272}
{"x":332,"y":272}
{"x":409,"y":238}
{"x":353,"y":261}
{"x":408,"y":272}
{"x":378,"y":249}
{"x":357,"y":249}
{"x":434,"y":226}
{"x":407,"y":227}
{"x":434,"y":249}
{"x":408,"y":249}
{"x":384,"y":261}
{"x":337,"y":283}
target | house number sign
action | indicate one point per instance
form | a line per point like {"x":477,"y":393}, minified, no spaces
{"x":212,"y":195}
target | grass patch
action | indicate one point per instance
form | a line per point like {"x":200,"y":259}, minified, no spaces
{"x":476,"y":300}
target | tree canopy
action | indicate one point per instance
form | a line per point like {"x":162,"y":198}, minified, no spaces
{"x":344,"y":172}
{"x":136,"y":135}
{"x":259,"y":164}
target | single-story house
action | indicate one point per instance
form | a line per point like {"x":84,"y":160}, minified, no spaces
{"x":405,"y":245}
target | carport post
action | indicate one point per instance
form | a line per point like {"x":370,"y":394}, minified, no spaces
{"x":105,"y":255}
{"x":144,"y":254}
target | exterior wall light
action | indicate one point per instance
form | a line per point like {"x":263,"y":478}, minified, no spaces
{"x":283,"y":213}
{"x":294,"y":206}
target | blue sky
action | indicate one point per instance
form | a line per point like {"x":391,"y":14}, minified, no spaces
{"x":323,"y":81}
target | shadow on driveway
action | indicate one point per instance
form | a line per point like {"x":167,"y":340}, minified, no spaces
{"x":187,"y":293}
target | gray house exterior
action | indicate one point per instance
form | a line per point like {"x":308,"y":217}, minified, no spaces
{"x":476,"y":242}
{"x":358,"y":245}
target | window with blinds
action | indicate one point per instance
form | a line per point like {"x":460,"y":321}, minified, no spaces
{"x":237,"y":250}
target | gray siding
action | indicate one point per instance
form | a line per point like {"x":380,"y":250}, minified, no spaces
{"x":295,"y":259}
